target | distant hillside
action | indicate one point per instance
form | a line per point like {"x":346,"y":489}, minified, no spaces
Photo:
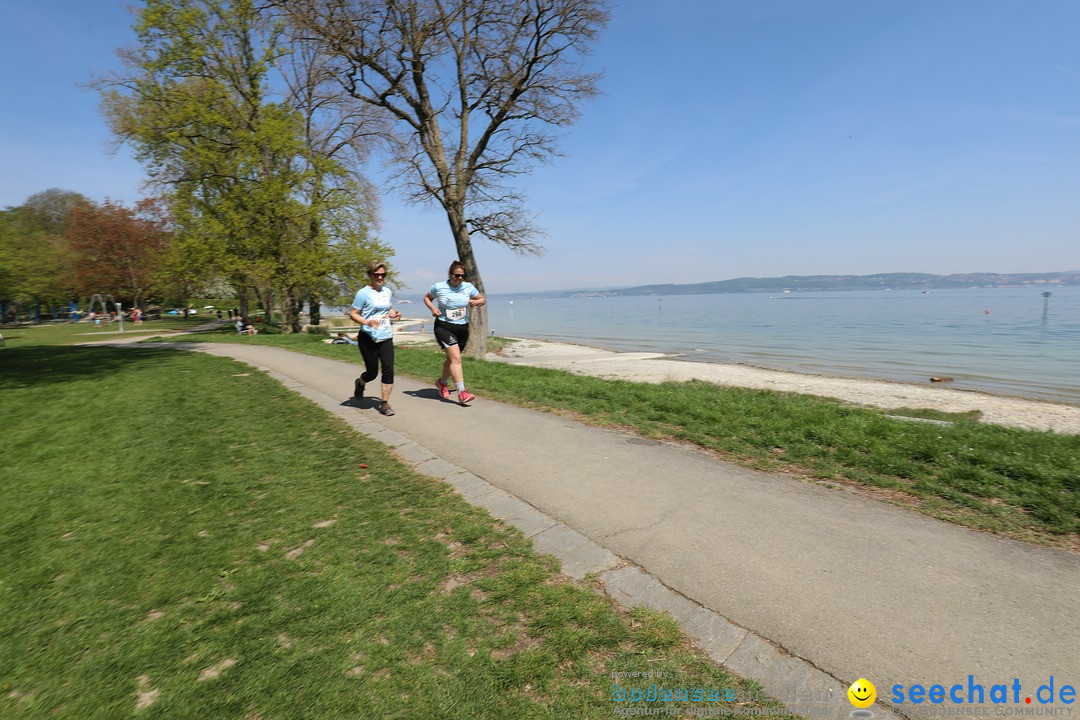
{"x":810,"y":283}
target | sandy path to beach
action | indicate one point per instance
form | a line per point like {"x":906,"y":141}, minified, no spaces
{"x":657,"y":367}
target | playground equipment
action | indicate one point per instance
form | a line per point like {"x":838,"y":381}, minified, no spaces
{"x":100,"y":299}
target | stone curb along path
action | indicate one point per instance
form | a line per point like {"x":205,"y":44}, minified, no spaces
{"x":736,"y":648}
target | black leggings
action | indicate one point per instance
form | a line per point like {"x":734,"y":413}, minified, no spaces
{"x":374,"y":353}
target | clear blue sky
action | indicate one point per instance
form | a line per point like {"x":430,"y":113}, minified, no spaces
{"x":734,"y":138}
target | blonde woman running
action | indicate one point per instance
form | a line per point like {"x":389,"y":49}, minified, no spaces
{"x":372,"y":310}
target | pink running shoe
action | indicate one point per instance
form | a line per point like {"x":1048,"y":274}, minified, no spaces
{"x":465,"y":397}
{"x":444,"y":389}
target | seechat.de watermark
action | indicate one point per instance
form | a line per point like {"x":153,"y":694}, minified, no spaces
{"x":973,"y":692}
{"x":966,"y":699}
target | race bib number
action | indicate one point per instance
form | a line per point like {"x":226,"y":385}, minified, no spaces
{"x":384,"y":322}
{"x":456,"y":313}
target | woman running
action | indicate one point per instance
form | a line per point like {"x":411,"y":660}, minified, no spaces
{"x":372,"y":310}
{"x":449,"y":301}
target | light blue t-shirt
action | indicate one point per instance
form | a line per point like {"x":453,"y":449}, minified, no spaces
{"x":371,"y":304}
{"x":453,"y":302}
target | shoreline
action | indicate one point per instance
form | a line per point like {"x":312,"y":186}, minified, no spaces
{"x":656,"y":367}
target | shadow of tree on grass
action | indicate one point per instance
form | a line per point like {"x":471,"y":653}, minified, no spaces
{"x":23,"y":367}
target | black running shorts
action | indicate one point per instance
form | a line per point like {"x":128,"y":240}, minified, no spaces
{"x":449,"y":334}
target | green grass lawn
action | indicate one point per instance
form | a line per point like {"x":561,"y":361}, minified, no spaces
{"x":65,"y":333}
{"x":182,"y":537}
{"x":1017,"y":483}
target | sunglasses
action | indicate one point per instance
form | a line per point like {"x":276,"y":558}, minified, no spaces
{"x":458,"y":275}
{"x":378,"y":275}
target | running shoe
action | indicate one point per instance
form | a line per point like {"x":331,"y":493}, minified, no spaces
{"x":385,"y":409}
{"x":464,"y":397}
{"x":358,"y":388}
{"x":444,"y":389}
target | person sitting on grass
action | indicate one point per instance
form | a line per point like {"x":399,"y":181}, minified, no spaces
{"x":343,"y":339}
{"x":245,"y":328}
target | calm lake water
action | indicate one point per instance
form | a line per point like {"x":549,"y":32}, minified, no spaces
{"x":992,"y":339}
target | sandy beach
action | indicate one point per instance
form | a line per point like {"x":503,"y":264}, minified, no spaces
{"x":658,"y":367}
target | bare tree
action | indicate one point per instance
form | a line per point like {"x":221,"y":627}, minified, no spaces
{"x":474,"y":92}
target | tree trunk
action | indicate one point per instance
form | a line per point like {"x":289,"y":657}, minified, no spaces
{"x":245,"y":306}
{"x":287,"y":306}
{"x":315,"y":310}
{"x":478,"y":324}
{"x":293,"y":307}
{"x":267,"y":300}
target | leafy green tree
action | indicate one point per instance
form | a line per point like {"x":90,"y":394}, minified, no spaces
{"x":9,"y":257}
{"x":247,"y":190}
{"x":196,"y":111}
{"x":37,"y":264}
{"x":341,"y":201}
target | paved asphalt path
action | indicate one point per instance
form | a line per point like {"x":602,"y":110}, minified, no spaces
{"x":852,"y":586}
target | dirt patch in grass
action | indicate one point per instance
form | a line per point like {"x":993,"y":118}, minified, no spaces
{"x":20,"y":697}
{"x":264,"y":545}
{"x":298,"y":551}
{"x":146,"y":695}
{"x":426,"y":655}
{"x":457,"y":550}
{"x":453,"y":582}
{"x":215,"y":671}
{"x":523,"y":643}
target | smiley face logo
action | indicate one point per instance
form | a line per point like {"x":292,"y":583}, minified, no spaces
{"x":862,"y":693}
